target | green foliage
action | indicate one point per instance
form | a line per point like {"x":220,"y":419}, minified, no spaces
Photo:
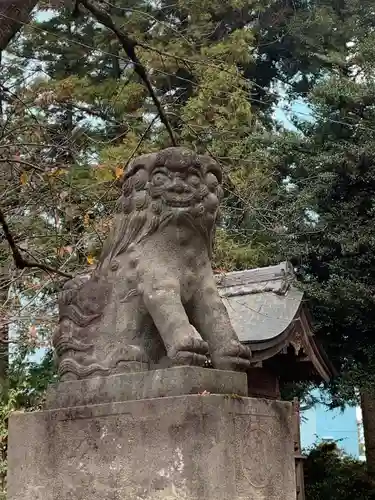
{"x":231,"y":255}
{"x":330,"y":168}
{"x":29,"y":379}
{"x":333,"y":183}
{"x":24,"y":391}
{"x":330,"y":475}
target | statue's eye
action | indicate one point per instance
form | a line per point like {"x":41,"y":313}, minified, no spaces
{"x":212,"y":182}
{"x":159,"y":179}
{"x":194,"y":180}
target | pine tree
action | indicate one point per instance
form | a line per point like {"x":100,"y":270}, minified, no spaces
{"x":330,"y":167}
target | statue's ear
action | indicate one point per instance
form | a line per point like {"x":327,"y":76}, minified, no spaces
{"x":210,"y":166}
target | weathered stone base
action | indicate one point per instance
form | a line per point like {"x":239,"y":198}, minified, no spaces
{"x":176,"y":381}
{"x":192,"y":447}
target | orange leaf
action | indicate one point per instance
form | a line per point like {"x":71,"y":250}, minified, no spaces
{"x":23,"y":178}
{"x":118,"y":172}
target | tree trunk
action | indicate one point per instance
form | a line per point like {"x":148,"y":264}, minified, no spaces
{"x":368,"y":415}
{"x":4,"y":354}
{"x":4,"y":280}
{"x":13,"y":15}
{"x":4,"y":328}
{"x":4,"y":366}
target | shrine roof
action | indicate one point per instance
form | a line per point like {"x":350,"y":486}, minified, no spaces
{"x":269,"y":314}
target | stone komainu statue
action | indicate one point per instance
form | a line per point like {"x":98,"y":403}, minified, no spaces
{"x":152,"y":301}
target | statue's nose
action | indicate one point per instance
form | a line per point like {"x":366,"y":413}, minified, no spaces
{"x":178,"y":186}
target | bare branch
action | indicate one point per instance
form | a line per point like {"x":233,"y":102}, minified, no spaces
{"x":31,"y":166}
{"x":129,"y":46}
{"x":19,"y":260}
{"x":139,"y":144}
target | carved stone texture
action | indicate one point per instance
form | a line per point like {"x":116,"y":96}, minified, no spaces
{"x":152,"y":302}
{"x":188,"y":447}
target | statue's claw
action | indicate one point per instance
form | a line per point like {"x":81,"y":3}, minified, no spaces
{"x":234,"y":356}
{"x":189,"y":351}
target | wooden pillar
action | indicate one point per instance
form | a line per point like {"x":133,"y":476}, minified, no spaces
{"x":299,"y":458}
{"x":263,"y":383}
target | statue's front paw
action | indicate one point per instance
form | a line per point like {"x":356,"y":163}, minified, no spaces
{"x":189,"y":351}
{"x":233,"y":356}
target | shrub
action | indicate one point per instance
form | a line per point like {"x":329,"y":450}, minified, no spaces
{"x":332,"y":475}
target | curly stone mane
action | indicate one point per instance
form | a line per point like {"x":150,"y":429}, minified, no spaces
{"x":141,"y":209}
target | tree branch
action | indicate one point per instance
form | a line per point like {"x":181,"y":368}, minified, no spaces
{"x":139,"y":144}
{"x":13,"y":14}
{"x":19,"y":260}
{"x":31,"y":166}
{"x":129,"y":46}
{"x":96,"y":113}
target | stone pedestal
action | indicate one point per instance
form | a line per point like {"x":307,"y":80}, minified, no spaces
{"x":195,"y":446}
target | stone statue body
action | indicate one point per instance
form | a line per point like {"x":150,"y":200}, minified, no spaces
{"x":153,"y":300}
